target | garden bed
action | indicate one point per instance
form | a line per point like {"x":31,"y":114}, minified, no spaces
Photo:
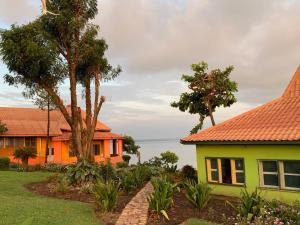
{"x":216,"y":211}
{"x":73,"y":193}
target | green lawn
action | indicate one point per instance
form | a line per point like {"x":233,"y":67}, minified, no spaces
{"x":18,"y":206}
{"x":198,"y":222}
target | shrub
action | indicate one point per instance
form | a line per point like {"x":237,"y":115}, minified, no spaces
{"x":53,"y":167}
{"x":250,"y":206}
{"x":127,"y":181}
{"x":162,"y":197}
{"x":107,"y":171}
{"x":83,"y":172}
{"x":198,"y":194}
{"x":189,"y":173}
{"x":106,"y":195}
{"x":4,"y":163}
{"x":126,"y":158}
{"x":61,"y":186}
{"x":24,"y":154}
{"x":122,"y":165}
{"x":87,"y":188}
{"x":169,"y":160}
{"x":141,"y":175}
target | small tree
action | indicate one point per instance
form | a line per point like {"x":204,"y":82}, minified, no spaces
{"x":169,"y":160}
{"x":3,"y":128}
{"x":209,"y":90}
{"x":130,"y":147}
{"x":25,"y":154}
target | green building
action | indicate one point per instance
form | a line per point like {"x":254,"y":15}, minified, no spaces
{"x":259,"y":148}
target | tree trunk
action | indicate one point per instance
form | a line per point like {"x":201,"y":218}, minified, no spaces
{"x":48,"y":127}
{"x":211,"y":114}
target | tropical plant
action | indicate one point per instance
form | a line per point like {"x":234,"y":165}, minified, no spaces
{"x":3,"y":128}
{"x":189,"y":173}
{"x":82,"y":172}
{"x":162,"y":197}
{"x":42,"y":54}
{"x":141,"y":175}
{"x":127,"y":181}
{"x":24,"y":154}
{"x":131,"y":147}
{"x":120,"y":165}
{"x":53,"y":167}
{"x":4,"y":163}
{"x":251,"y":205}
{"x":62,"y":185}
{"x":198,"y":194}
{"x":106,"y":194}
{"x":107,"y":171}
{"x":209,"y":90}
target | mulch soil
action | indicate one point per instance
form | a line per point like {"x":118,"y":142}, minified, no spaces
{"x":45,"y":187}
{"x":216,"y":211}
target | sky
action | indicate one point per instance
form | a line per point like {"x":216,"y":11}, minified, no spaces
{"x":156,"y":41}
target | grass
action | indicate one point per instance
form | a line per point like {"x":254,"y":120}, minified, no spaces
{"x":18,"y":206}
{"x":193,"y":221}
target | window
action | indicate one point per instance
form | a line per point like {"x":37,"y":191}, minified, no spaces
{"x":113,"y":147}
{"x":225,"y":171}
{"x":19,"y":142}
{"x":9,"y":142}
{"x":96,"y":148}
{"x":30,"y":142}
{"x":1,"y":143}
{"x":280,"y":174}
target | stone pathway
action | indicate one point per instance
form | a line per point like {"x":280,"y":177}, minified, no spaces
{"x":136,"y":211}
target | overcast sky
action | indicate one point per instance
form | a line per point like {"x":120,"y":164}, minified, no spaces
{"x":156,"y":41}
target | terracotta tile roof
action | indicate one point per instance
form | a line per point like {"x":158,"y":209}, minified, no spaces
{"x":33,"y":122}
{"x":278,"y":120}
{"x":97,"y":136}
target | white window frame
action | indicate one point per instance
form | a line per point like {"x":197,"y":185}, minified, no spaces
{"x":280,"y":173}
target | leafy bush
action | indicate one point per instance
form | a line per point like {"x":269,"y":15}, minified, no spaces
{"x":106,"y":195}
{"x":107,"y":171}
{"x":189,"y":173}
{"x":162,"y":197}
{"x":126,"y":158}
{"x":24,"y":154}
{"x":83,"y":172}
{"x":127,"y":181}
{"x":4,"y":163}
{"x":169,"y":160}
{"x":141,"y":175}
{"x":87,"y":188}
{"x":198,"y":194}
{"x":122,"y":165}
{"x":250,"y":206}
{"x":61,"y":186}
{"x":53,"y":167}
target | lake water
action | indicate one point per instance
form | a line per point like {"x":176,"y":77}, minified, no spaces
{"x":151,"y":148}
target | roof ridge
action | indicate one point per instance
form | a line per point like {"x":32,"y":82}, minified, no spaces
{"x":293,"y":88}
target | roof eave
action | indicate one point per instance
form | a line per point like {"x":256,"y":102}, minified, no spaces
{"x":295,"y":142}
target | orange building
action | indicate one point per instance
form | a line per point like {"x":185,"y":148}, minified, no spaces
{"x":28,"y":127}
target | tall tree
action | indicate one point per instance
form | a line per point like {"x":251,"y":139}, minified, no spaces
{"x":45,"y":53}
{"x":3,"y":128}
{"x":131,"y":147}
{"x":209,"y":90}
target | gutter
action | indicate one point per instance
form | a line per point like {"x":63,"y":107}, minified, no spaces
{"x":296,"y":142}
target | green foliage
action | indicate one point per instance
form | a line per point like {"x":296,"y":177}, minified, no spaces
{"x":107,"y":171}
{"x":3,"y":128}
{"x":162,"y":197}
{"x":189,"y":173}
{"x":194,"y":221}
{"x":62,"y":185}
{"x":4,"y":163}
{"x":208,"y":90}
{"x":198,"y":194}
{"x":169,"y":159}
{"x":82,"y":172}
{"x":120,"y":165}
{"x":127,"y":181}
{"x":106,"y":195}
{"x":53,"y":167}
{"x":129,"y":145}
{"x":250,"y":206}
{"x":141,"y":174}
{"x":24,"y":154}
{"x":126,"y":158}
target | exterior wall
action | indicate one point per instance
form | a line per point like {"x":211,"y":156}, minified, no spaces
{"x":251,"y":154}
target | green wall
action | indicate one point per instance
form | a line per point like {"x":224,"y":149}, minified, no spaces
{"x":251,"y":155}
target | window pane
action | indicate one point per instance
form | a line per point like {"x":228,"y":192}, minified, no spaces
{"x":292,"y":181}
{"x":214,"y":163}
{"x":269,"y":166}
{"x":292,"y":167}
{"x":1,"y":142}
{"x":214,"y":176}
{"x":239,"y":164}
{"x":240,"y":178}
{"x":96,"y":149}
{"x":271,"y":180}
{"x":19,"y":142}
{"x":9,"y":143}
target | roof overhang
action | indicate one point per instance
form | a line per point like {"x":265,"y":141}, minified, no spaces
{"x":296,"y":142}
